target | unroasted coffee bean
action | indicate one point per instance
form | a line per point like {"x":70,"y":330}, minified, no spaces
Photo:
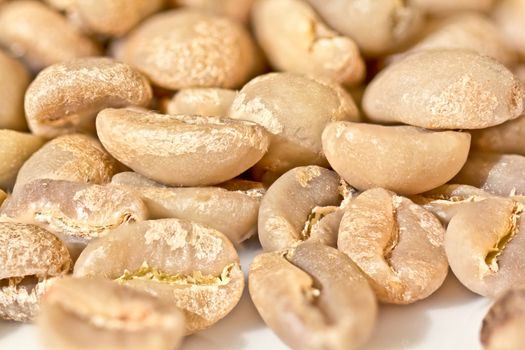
{"x":500,"y":174}
{"x":30,"y":258}
{"x":186,"y":48}
{"x":378,"y":26}
{"x":503,"y":325}
{"x":440,"y":7}
{"x":445,"y":89}
{"x":294,"y":204}
{"x":66,"y":97}
{"x":508,"y":137}
{"x":313,"y":297}
{"x":183,"y":263}
{"x":510,"y":16}
{"x":485,"y":245}
{"x":396,"y":243}
{"x":75,"y":212}
{"x":96,"y":314}
{"x":70,"y":157}
{"x":232,"y":212}
{"x":41,"y":36}
{"x":204,"y":101}
{"x":403,"y":159}
{"x":296,"y":40}
{"x":16,"y":148}
{"x":13,"y":84}
{"x":3,"y":196}
{"x":236,"y":9}
{"x":295,"y":109}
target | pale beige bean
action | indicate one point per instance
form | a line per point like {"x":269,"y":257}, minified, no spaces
{"x":232,"y":212}
{"x":313,"y":297}
{"x":295,"y":109}
{"x":508,"y":137}
{"x":183,"y":263}
{"x":186,"y":48}
{"x":15,"y":79}
{"x":443,"y":7}
{"x":30,"y":258}
{"x":41,"y":36}
{"x":181,"y":150}
{"x":445,"y":89}
{"x":75,"y":212}
{"x":202,"y":101}
{"x":66,"y":97}
{"x":485,"y":246}
{"x":96,"y":314}
{"x":70,"y":157}
{"x":396,"y":243}
{"x":16,"y":148}
{"x":296,"y":40}
{"x":500,"y":174}
{"x":503,"y":324}
{"x":510,"y":16}
{"x":111,"y":17}
{"x":403,"y":159}
{"x":236,"y":9}
{"x":60,"y":5}
{"x":378,"y":26}
{"x":294,"y":204}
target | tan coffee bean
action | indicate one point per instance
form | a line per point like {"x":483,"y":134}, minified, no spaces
{"x":504,"y":323}
{"x":313,"y":297}
{"x":15,"y":79}
{"x":236,"y":9}
{"x":41,"y":36}
{"x":500,"y":174}
{"x":66,"y":97}
{"x":30,"y":258}
{"x":294,"y":204}
{"x":377,"y":26}
{"x":231,"y":212}
{"x":441,"y":7}
{"x":60,"y":5}
{"x":185,"y":48}
{"x":296,"y":40}
{"x":445,"y":201}
{"x":183,"y":263}
{"x":403,"y":159}
{"x":70,"y":157}
{"x":396,"y":243}
{"x":294,"y":109}
{"x":510,"y":16}
{"x":181,"y":150}
{"x":202,"y":101}
{"x":445,"y":89}
{"x":508,"y":137}
{"x":96,"y":314}
{"x":3,"y":196}
{"x":16,"y":148}
{"x":484,"y":246}
{"x":112,"y":17}
{"x":75,"y":212}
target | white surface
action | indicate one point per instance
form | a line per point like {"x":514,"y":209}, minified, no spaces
{"x":449,"y":319}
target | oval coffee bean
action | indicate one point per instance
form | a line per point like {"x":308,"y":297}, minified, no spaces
{"x":187,"y":48}
{"x":294,"y":204}
{"x":41,"y":36}
{"x":202,"y":101}
{"x":16,"y":148}
{"x":280,"y":28}
{"x":500,"y":174}
{"x":403,"y":159}
{"x":183,"y":263}
{"x":76,"y":212}
{"x":445,"y":89}
{"x":96,"y":314}
{"x":15,"y":79}
{"x":30,"y":258}
{"x":508,"y":137}
{"x":232,"y":212}
{"x":181,"y":150}
{"x":485,"y":246}
{"x":66,"y":97}
{"x":510,"y":17}
{"x":70,"y":157}
{"x":294,"y":109}
{"x":396,"y":243}
{"x":313,"y":297}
